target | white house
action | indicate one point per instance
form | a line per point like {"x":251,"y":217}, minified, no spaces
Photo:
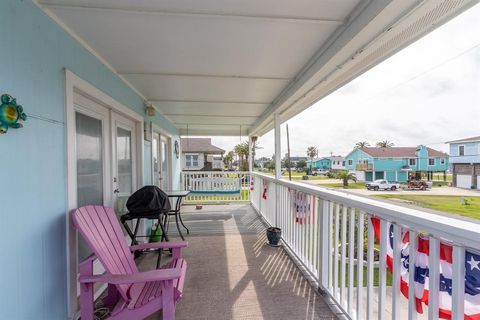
{"x":337,"y":163}
{"x":465,"y":162}
{"x":200,"y":154}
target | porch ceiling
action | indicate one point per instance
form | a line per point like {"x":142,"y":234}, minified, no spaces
{"x":222,"y":67}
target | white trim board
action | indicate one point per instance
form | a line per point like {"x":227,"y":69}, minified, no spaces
{"x":73,"y":83}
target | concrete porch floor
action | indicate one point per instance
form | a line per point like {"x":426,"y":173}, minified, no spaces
{"x":233,"y":274}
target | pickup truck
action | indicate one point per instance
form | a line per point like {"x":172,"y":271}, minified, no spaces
{"x":316,"y":172}
{"x":382,"y":185}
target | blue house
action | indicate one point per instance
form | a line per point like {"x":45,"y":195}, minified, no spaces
{"x":396,"y":163}
{"x":320,"y":163}
{"x":465,"y":162}
{"x":328,"y":163}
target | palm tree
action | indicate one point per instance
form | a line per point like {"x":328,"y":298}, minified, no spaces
{"x":228,"y":159}
{"x":362,"y":144}
{"x":385,"y":144}
{"x":345,"y":176}
{"x":312,"y":152}
{"x":241,"y":150}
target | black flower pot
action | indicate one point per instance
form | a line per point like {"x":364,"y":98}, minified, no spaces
{"x":273,"y":235}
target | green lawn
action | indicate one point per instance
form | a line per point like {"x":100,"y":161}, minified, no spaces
{"x":339,"y":185}
{"x":375,"y":276}
{"x":295,"y":175}
{"x":450,"y":204}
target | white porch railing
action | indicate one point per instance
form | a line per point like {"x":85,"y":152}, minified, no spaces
{"x":331,"y":231}
{"x":216,"y":186}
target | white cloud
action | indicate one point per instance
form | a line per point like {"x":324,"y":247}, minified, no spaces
{"x":428,"y":93}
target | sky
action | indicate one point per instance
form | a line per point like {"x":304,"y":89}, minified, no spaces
{"x":428,"y":93}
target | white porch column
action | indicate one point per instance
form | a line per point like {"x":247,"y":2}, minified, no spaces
{"x":250,"y":154}
{"x":278,"y":161}
{"x":278,"y":149}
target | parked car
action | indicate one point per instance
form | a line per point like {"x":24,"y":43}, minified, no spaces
{"x":418,"y":185}
{"x":316,"y":172}
{"x":382,"y":185}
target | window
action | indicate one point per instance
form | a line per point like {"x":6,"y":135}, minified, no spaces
{"x":442,"y":161}
{"x":431,"y":161}
{"x":461,"y":150}
{"x":343,"y":163}
{"x":350,"y":162}
{"x":412,"y":162}
{"x":191,"y":160}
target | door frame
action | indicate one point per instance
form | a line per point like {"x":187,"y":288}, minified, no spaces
{"x":75,"y":83}
{"x":163,"y":133}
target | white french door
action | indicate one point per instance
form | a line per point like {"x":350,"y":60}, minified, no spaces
{"x":123,"y":165}
{"x":105,"y":165}
{"x":161,"y":161}
{"x":92,"y":155}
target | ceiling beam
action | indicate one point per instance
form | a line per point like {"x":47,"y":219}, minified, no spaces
{"x":192,"y":75}
{"x":154,"y":100}
{"x":193,"y":13}
{"x":209,"y":116}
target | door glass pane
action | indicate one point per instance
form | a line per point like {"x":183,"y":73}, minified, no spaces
{"x":164,"y":165}
{"x":124,"y":167}
{"x":124,"y":160}
{"x":89,"y":167}
{"x":156,"y":162}
{"x":89,"y":160}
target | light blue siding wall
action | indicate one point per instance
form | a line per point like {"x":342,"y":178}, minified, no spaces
{"x":389,"y":164}
{"x":422,"y":159}
{"x":357,"y":156}
{"x":472,"y":153}
{"x":391,"y":176}
{"x":34,"y":53}
{"x":324,"y":163}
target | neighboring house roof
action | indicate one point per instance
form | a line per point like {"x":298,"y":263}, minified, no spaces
{"x":297,"y":158}
{"x":472,"y":139}
{"x":399,"y":152}
{"x":203,"y":145}
{"x":337,"y":158}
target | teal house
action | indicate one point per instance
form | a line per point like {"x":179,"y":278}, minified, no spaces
{"x":320,"y":163}
{"x":396,"y":163}
{"x":328,"y":163}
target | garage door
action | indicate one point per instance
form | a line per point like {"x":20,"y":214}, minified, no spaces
{"x":360,"y":175}
{"x":478,"y":182}
{"x":464,"y":181}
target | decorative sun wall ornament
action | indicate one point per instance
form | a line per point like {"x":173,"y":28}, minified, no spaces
{"x":10,"y":113}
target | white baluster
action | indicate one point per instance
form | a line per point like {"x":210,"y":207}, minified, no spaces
{"x":343,"y":263}
{"x":382,"y":269}
{"x":370,"y":266}
{"x":351,"y":246}
{"x":412,"y":252}
{"x":433,"y":277}
{"x":360,"y":240}
{"x":458,"y":282}
{"x":397,"y":264}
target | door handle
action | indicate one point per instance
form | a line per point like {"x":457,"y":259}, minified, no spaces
{"x":116,"y":191}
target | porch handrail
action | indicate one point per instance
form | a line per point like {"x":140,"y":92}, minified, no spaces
{"x":461,"y":231}
{"x":216,"y":186}
{"x":329,"y":232}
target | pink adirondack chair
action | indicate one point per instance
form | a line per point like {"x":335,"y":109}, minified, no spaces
{"x":134,"y":294}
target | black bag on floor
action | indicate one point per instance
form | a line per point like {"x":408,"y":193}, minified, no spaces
{"x":148,"y":200}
